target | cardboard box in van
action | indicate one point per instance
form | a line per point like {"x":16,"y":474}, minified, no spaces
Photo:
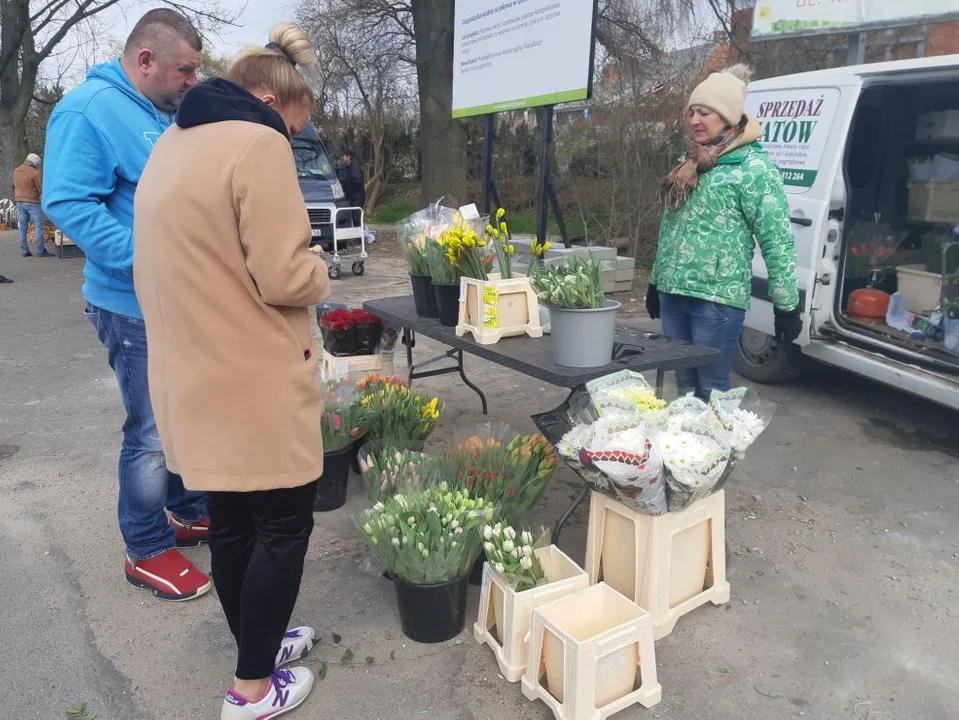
{"x":941,"y":125}
{"x":934,"y":201}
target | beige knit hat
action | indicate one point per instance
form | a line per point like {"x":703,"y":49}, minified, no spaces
{"x":33,"y":159}
{"x":723,"y":92}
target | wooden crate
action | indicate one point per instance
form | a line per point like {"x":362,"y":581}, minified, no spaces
{"x":591,"y":655}
{"x":505,"y":615}
{"x":668,"y":564}
{"x":496,"y":308}
{"x":355,"y":367}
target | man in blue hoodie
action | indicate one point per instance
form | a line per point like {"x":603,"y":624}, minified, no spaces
{"x":98,"y":141}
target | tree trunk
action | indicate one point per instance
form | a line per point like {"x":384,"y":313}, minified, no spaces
{"x":18,"y":79}
{"x":442,"y":139}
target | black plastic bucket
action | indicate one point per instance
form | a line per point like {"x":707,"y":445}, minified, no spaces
{"x":476,"y":574}
{"x":432,"y":613}
{"x":331,"y":487}
{"x":448,"y":303}
{"x":423,"y":296}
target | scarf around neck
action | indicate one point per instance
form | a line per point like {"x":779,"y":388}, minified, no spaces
{"x":700,"y":159}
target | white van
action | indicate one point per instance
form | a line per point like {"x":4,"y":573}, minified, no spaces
{"x":870,"y":158}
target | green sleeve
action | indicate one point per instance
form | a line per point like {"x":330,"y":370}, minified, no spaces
{"x":766,"y":209}
{"x":654,"y":274}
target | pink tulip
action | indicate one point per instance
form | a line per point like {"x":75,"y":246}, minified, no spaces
{"x":337,"y":422}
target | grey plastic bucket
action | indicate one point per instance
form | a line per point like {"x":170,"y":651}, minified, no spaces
{"x":583,"y":338}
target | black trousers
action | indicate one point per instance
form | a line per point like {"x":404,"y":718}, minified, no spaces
{"x":258,"y":541}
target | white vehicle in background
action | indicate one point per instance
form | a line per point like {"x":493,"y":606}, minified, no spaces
{"x":846,"y":140}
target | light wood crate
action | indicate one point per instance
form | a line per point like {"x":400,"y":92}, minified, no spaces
{"x":496,"y":308}
{"x":591,"y":655}
{"x":505,"y":615}
{"x":668,"y":564}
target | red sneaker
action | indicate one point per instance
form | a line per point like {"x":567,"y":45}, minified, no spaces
{"x":169,"y":575}
{"x":190,"y":534}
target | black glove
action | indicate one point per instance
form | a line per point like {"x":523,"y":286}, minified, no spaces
{"x":652,"y":302}
{"x":788,"y":324}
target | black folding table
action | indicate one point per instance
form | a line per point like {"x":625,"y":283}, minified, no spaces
{"x":641,"y":351}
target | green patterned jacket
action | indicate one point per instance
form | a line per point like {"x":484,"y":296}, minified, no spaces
{"x":706,"y":245}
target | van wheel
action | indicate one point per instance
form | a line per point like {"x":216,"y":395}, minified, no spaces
{"x":761,"y":359}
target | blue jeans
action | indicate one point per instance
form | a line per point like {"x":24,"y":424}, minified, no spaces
{"x":146,"y":486}
{"x":28,"y":212}
{"x":706,"y":324}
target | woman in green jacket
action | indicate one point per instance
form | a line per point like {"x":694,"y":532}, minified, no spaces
{"x":724,"y":193}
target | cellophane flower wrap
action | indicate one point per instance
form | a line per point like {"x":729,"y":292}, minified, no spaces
{"x":426,"y":536}
{"x":385,"y":470}
{"x":396,"y":416}
{"x":513,"y":555}
{"x":343,"y":420}
{"x":350,"y":332}
{"x":702,"y":442}
{"x":414,"y":232}
{"x":337,"y":329}
{"x":508,"y":469}
{"x":466,"y":249}
{"x":575,"y":285}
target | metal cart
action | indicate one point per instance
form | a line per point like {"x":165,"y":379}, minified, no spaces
{"x":347,"y":237}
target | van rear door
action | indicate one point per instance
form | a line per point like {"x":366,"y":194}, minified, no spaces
{"x":805,"y":120}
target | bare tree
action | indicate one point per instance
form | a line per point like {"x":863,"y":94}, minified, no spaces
{"x":30,"y":33}
{"x":362,"y":77}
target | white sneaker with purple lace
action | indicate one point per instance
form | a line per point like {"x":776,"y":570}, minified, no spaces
{"x":288,"y":689}
{"x":297,"y":642}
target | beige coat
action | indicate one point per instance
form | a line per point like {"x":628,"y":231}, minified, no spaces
{"x":224,"y":277}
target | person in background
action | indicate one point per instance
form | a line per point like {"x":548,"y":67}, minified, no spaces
{"x":225,"y":283}
{"x":98,"y":140}
{"x":27,"y":191}
{"x":724,"y":193}
{"x":352,"y":179}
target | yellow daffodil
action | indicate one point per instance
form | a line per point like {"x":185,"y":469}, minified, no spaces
{"x":510,"y":250}
{"x":500,"y":213}
{"x":503,"y":228}
{"x":547,"y":246}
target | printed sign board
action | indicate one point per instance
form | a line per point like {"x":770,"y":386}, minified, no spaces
{"x":777,"y":18}
{"x":796,"y":126}
{"x":514,"y":54}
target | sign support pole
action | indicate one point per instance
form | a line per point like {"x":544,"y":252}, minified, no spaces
{"x":546,"y":195}
{"x":856,"y":54}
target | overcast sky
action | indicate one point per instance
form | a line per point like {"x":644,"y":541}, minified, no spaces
{"x":114,"y":24}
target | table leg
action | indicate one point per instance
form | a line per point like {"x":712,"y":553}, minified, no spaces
{"x":409,"y":339}
{"x":660,"y":382}
{"x":459,"y":365}
{"x":558,"y":527}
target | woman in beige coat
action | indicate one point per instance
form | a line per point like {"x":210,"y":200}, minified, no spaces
{"x":224,"y":276}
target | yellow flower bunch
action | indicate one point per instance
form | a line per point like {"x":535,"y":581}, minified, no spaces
{"x":498,"y":236}
{"x":539,"y":249}
{"x":463,"y":247}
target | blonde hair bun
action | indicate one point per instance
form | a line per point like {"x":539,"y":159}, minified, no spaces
{"x":294,"y":43}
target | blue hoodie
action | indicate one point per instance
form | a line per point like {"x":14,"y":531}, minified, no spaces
{"x":98,"y":141}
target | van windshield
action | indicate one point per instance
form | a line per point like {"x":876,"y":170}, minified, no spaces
{"x":311,"y":159}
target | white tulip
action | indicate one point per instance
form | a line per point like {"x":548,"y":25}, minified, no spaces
{"x":527,"y":551}
{"x":396,"y":542}
{"x":508,"y":546}
{"x":488,"y":532}
{"x":526,"y":563}
{"x":488,"y":546}
{"x":527,"y":537}
{"x":510,"y":533}
{"x":499,"y":567}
